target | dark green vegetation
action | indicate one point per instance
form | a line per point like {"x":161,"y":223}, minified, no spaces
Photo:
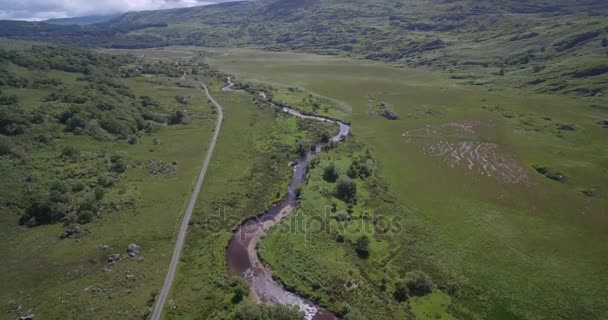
{"x":92,"y":158}
{"x":105,"y":154}
{"x":86,"y":20}
{"x":93,"y":103}
{"x":536,"y":44}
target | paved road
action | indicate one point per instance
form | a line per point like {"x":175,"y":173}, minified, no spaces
{"x":181,"y":236}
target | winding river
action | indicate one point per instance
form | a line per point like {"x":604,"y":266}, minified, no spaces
{"x":241,"y":254}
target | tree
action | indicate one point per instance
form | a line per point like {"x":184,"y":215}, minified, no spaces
{"x":362,"y":246}
{"x":605,"y":42}
{"x":346,"y":189}
{"x":418,"y":283}
{"x":330,"y":174}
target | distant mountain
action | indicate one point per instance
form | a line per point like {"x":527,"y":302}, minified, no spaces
{"x":549,"y":46}
{"x":85,"y":20}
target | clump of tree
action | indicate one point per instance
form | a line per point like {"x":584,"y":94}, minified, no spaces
{"x":415,"y":283}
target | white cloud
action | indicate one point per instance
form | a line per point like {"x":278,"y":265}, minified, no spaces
{"x":47,"y":9}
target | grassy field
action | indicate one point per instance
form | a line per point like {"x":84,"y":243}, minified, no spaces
{"x":532,"y":245}
{"x":57,"y":278}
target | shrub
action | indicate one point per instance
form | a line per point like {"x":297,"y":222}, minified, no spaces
{"x":85,"y":216}
{"x":402,"y":292}
{"x":177,"y":117}
{"x":330,"y":174}
{"x":362,"y":246}
{"x":70,"y":152}
{"x":119,"y":164}
{"x":6,"y":145}
{"x":418,"y":283}
{"x":346,"y":189}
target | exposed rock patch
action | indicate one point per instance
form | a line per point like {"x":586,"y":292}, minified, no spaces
{"x":133,"y":251}
{"x":458,"y":145}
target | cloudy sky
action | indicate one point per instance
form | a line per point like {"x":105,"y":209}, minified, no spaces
{"x":47,"y":9}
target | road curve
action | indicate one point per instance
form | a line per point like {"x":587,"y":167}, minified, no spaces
{"x":181,"y":236}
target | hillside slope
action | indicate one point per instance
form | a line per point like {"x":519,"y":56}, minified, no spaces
{"x":540,"y":44}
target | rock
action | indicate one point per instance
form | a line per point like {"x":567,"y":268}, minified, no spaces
{"x":133,"y":251}
{"x":72,"y":232}
{"x":132,"y":247}
{"x":566,"y":127}
{"x":113,"y":259}
{"x":603,"y":123}
{"x":104,"y":247}
{"x":28,"y":317}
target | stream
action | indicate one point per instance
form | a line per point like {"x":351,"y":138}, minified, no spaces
{"x":241,"y":254}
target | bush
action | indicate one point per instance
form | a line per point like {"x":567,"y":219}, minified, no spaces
{"x":177,"y":117}
{"x":362,"y":246}
{"x":330,"y":174}
{"x":346,"y":189}
{"x":85,"y":217}
{"x":268,"y":312}
{"x":402,"y":292}
{"x":119,"y":164}
{"x":70,"y":152}
{"x":6,"y":145}
{"x":418,"y":283}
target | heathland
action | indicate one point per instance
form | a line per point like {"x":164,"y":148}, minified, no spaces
{"x":472,"y":185}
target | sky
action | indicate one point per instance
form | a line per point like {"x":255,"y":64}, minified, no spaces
{"x":49,"y":9}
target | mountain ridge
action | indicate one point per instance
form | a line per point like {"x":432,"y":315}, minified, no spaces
{"x":478,"y":40}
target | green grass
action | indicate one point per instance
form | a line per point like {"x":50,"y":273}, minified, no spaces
{"x":522,"y":244}
{"x":249,"y":172}
{"x":66,"y":278}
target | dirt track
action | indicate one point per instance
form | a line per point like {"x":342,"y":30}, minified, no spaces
{"x":181,"y":236}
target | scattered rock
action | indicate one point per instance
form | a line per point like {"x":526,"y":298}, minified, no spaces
{"x":133,"y":251}
{"x":28,"y":317}
{"x":158,"y":167}
{"x":104,"y":247}
{"x":13,"y":306}
{"x":566,"y":127}
{"x":557,"y":176}
{"x":603,"y":123}
{"x":591,"y":192}
{"x":72,"y":232}
{"x":113,"y":259}
{"x":182,"y":100}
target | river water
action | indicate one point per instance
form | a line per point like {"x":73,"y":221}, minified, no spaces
{"x":241,"y":254}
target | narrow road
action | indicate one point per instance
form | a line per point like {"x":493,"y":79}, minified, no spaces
{"x":181,"y":236}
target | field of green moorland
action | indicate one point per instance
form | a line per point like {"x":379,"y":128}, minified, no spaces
{"x":506,"y":189}
{"x":81,"y":182}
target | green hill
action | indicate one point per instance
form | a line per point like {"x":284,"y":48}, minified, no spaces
{"x":85,"y":20}
{"x":536,"y":44}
